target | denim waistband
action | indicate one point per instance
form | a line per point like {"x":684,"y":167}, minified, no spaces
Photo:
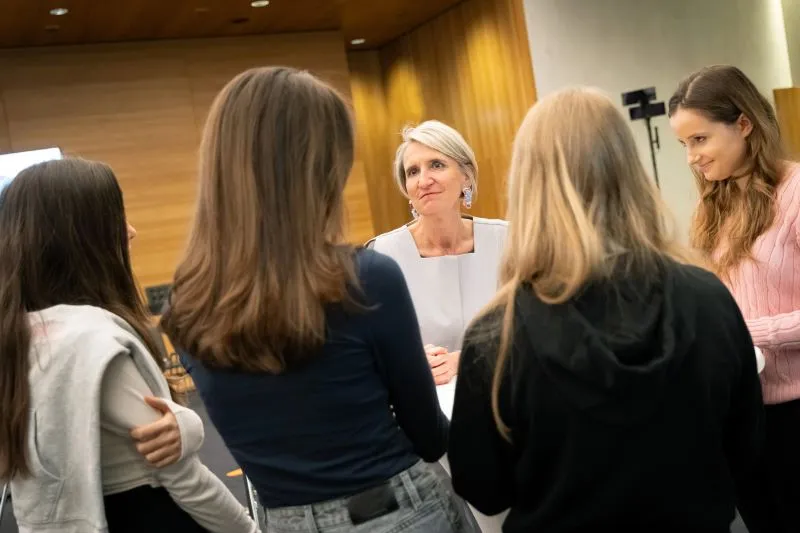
{"x":410,"y":486}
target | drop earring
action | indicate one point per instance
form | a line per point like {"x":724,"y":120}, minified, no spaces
{"x":413,"y":211}
{"x":467,"y":197}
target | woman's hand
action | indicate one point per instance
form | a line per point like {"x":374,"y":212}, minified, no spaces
{"x":444,"y":364}
{"x":159,"y":442}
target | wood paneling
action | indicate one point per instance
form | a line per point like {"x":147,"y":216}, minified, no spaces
{"x":787,"y":106}
{"x":470,"y":68}
{"x":140,"y":107}
{"x":29,"y":22}
{"x":374,"y":144}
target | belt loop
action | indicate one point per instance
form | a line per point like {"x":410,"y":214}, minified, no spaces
{"x":411,"y":490}
{"x":311,"y":522}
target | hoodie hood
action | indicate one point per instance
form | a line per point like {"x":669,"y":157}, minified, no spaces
{"x":612,"y":350}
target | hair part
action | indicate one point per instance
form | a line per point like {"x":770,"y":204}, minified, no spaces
{"x":266,"y":251}
{"x":445,"y":140}
{"x":581,"y":209}
{"x":722,"y":93}
{"x":64,"y":238}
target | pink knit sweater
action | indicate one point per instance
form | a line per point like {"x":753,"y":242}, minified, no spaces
{"x":767,"y":289}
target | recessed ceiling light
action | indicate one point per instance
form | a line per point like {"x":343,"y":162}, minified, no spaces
{"x":358,"y":41}
{"x":59,"y":11}
{"x":259,"y":3}
{"x":52,"y":27}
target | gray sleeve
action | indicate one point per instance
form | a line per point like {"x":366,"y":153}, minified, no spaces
{"x":190,"y":484}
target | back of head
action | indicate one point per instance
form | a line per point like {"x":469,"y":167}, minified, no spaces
{"x":63,"y":236}
{"x":581,"y":209}
{"x":265,"y":253}
{"x":580,"y":202}
{"x":724,"y":94}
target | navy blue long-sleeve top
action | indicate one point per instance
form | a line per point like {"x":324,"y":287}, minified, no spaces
{"x":361,"y":411}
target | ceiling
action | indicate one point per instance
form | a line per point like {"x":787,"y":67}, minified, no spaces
{"x":26,"y":23}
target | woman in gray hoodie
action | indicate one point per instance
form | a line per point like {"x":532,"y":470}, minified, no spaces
{"x":77,"y":361}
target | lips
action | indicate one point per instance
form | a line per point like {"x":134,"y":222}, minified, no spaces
{"x":428,"y":194}
{"x":704,"y":168}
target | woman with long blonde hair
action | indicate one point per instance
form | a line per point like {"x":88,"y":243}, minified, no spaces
{"x":305,"y":350}
{"x":609,"y":385}
{"x":746,"y":226}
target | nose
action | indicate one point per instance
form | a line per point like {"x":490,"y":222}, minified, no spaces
{"x":426,"y":178}
{"x":691,"y":157}
{"x":131,"y":232}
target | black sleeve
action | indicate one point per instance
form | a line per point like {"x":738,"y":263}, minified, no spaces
{"x":745,"y":435}
{"x":401,"y":358}
{"x":481,"y":462}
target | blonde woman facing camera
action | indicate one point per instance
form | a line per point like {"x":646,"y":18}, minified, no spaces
{"x":746,"y":225}
{"x":608,"y":385}
{"x":450,"y":261}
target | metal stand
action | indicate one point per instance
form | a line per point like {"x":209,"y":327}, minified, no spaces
{"x":655,"y":144}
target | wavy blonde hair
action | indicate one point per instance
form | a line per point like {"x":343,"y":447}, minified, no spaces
{"x":581,"y":208}
{"x":724,"y":94}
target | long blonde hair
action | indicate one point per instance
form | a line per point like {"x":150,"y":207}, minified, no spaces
{"x":581,"y":208}
{"x":266,"y":252}
{"x":723,"y":94}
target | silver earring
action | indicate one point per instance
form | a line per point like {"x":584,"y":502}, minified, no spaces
{"x":467,"y":197}
{"x":413,"y":211}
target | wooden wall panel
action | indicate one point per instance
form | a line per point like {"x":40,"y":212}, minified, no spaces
{"x":471,"y":68}
{"x":5,"y":140}
{"x":373,"y":139}
{"x":787,"y":106}
{"x":140,"y":107}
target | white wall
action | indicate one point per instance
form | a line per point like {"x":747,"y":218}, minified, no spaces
{"x":791,"y":17}
{"x":623,"y":45}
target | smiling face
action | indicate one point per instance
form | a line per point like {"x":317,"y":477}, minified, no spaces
{"x":434,"y":182}
{"x":716,"y":150}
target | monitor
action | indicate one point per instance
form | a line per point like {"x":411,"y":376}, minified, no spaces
{"x":12,"y":164}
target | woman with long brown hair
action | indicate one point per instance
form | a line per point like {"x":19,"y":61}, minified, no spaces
{"x":306,"y":351}
{"x":77,"y":361}
{"x":609,"y":385}
{"x":746,"y":226}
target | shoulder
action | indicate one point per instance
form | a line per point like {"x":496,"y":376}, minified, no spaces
{"x":81,"y":325}
{"x":387,"y":237}
{"x":377,"y":269}
{"x":699,"y":289}
{"x":491,"y":230}
{"x":495,"y":224}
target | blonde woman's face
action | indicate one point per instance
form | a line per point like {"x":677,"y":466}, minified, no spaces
{"x":714,"y":149}
{"x":434,"y":182}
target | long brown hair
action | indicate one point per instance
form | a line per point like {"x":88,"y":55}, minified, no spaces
{"x":64,"y":240}
{"x":581,"y":208}
{"x":723,"y":94}
{"x":266,"y":253}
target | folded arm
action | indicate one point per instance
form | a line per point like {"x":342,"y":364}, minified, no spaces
{"x":776,"y":331}
{"x":190,"y":484}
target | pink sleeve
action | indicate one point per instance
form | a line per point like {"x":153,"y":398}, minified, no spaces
{"x":775,"y":331}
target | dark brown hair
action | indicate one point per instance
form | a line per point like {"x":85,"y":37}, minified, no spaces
{"x":266,"y":253}
{"x":64,"y":240}
{"x":723,"y":94}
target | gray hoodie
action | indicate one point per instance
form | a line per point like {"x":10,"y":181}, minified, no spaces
{"x":72,"y":398}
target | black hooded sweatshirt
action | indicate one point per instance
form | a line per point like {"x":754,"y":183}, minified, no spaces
{"x":634,"y":407}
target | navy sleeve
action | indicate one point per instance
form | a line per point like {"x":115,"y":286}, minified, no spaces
{"x":401,"y":357}
{"x":480,"y":458}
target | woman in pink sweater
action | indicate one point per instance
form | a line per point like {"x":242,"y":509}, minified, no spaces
{"x":746,"y":224}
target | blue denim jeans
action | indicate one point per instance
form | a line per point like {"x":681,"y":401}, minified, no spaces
{"x":426,"y":505}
